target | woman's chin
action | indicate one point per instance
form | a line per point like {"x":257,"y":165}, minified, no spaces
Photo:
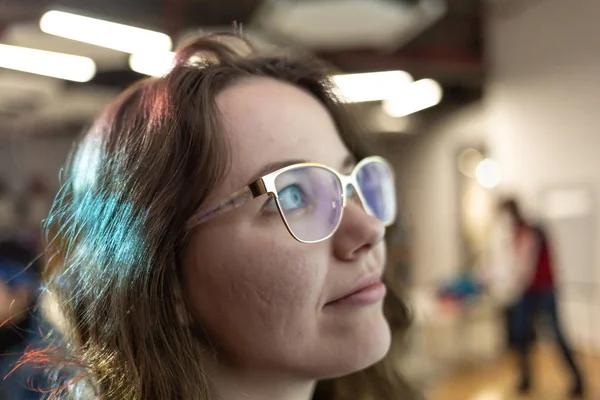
{"x":361,"y":349}
{"x":374,"y":347}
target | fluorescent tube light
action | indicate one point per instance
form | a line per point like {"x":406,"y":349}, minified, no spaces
{"x":153,"y":64}
{"x":371,"y":86}
{"x":107,"y":34}
{"x":419,"y":95}
{"x":48,"y":63}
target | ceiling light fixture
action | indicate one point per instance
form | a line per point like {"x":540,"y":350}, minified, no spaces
{"x":102,"y":33}
{"x":371,"y":86}
{"x":488,"y":173}
{"x":418,"y":96}
{"x":153,"y":64}
{"x":48,"y":63}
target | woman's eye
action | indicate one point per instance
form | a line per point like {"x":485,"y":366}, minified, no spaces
{"x":291,"y":197}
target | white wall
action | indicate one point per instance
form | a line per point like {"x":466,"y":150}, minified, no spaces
{"x":427,"y":170}
{"x":544,"y":94}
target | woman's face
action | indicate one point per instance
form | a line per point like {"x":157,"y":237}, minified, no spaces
{"x":263,"y":297}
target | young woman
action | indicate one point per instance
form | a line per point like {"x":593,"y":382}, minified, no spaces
{"x":220,"y":235}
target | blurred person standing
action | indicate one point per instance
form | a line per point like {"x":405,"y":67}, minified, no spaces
{"x":535,"y":292}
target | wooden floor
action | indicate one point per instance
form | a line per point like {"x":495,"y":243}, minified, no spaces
{"x":497,"y":380}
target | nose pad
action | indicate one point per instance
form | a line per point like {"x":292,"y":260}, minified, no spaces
{"x":350,"y":191}
{"x":358,"y":232}
{"x":352,"y":195}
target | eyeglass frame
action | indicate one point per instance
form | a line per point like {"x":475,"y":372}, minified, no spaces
{"x":265,"y":185}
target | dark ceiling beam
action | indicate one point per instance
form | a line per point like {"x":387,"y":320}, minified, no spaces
{"x":11,"y":13}
{"x":174,"y":11}
{"x":451,"y":51}
{"x":509,"y":8}
{"x":443,"y":65}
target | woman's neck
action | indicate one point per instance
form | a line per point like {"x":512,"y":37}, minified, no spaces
{"x":254,"y":385}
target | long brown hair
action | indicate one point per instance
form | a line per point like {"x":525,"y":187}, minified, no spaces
{"x":115,"y":234}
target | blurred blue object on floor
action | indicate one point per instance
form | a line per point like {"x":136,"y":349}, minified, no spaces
{"x":462,"y":287}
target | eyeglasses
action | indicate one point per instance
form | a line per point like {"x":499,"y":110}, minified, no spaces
{"x":310,"y":197}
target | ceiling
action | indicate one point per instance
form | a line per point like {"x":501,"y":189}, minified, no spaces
{"x":440,"y":39}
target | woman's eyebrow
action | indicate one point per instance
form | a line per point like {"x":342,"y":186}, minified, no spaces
{"x":274,"y":166}
{"x":348,"y":163}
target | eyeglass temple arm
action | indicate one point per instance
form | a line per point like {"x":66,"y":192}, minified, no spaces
{"x":232,"y":201}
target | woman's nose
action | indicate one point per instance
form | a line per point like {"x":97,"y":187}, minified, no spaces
{"x":358,"y":231}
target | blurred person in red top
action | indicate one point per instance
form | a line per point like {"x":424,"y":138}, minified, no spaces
{"x":538,"y":293}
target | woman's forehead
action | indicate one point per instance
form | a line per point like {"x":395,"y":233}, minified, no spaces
{"x":268,"y":121}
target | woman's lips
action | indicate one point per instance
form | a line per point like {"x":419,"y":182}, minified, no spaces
{"x":364,"y":296}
